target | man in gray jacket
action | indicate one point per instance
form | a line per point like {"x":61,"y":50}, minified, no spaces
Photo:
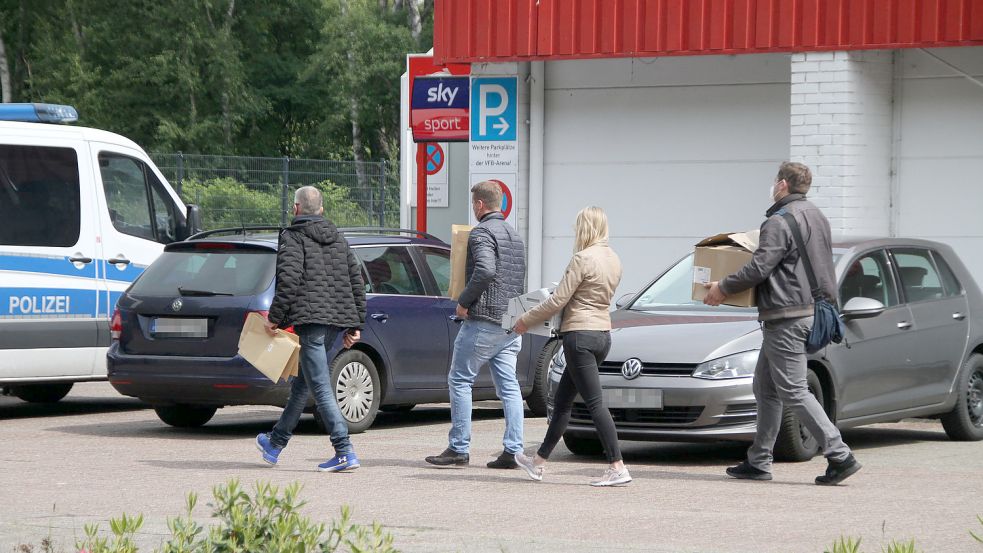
{"x":496,"y":273}
{"x":785,"y":309}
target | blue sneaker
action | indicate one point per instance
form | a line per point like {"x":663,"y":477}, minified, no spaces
{"x":270,"y":453}
{"x":340,"y":463}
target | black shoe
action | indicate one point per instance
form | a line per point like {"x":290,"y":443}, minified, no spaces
{"x":504,"y":461}
{"x":745,"y":471}
{"x":449,"y":457}
{"x":838,"y":472}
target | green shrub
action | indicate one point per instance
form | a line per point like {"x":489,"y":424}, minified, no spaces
{"x":226,"y":202}
{"x":901,"y":547}
{"x":978,"y":537}
{"x":264,"y":521}
{"x":844,"y":545}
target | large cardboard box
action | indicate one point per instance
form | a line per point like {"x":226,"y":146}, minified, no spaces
{"x":459,"y":258}
{"x":518,"y":306}
{"x":277,"y":357}
{"x":719,"y":256}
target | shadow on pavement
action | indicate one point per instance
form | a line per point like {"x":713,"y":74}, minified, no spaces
{"x":242,"y":425}
{"x":13,"y":408}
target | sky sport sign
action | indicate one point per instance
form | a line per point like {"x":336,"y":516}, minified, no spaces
{"x":439,"y":109}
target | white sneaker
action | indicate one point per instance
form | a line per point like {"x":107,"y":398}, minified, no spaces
{"x":534,"y":472}
{"x":613,"y":477}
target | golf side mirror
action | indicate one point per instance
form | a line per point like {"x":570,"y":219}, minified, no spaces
{"x":862,"y":308}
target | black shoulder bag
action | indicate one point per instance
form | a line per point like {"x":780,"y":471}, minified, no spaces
{"x":827,"y":326}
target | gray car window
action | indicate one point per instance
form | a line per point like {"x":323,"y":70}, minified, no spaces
{"x":952,"y":286}
{"x":919,"y":279}
{"x":439,"y":262}
{"x":674,"y":290}
{"x":869,"y":276}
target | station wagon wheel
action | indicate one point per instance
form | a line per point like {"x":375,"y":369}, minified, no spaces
{"x":795,"y":443}
{"x":355,"y":381}
{"x":965,"y":421}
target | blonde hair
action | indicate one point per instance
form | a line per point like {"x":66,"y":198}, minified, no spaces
{"x":591,"y":227}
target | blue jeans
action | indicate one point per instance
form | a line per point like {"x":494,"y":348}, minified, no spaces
{"x":314,"y":377}
{"x":477,"y":343}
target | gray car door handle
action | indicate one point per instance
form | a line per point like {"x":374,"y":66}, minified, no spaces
{"x":381,"y":317}
{"x":904,"y":325}
{"x":958,"y":316}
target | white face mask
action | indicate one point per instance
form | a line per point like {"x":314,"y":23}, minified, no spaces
{"x":771,"y":193}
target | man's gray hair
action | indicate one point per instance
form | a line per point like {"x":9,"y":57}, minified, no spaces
{"x":309,"y":200}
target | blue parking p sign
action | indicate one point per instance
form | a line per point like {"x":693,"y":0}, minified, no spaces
{"x":493,"y":113}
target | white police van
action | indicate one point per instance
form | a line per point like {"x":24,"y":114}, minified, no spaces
{"x":82,"y":213}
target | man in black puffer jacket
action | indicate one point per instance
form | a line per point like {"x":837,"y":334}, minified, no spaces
{"x":319,"y":291}
{"x":496,"y":273}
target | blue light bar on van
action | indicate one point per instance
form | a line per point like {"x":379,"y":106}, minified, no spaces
{"x":38,"y":113}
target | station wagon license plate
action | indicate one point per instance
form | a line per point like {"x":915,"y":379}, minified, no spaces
{"x":630,"y":398}
{"x":169,"y":327}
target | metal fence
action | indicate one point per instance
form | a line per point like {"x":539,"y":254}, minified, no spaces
{"x":234,"y":191}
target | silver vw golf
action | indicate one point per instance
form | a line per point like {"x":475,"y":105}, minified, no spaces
{"x":681,"y":371}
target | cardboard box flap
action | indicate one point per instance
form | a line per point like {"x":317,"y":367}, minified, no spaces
{"x":747,"y":240}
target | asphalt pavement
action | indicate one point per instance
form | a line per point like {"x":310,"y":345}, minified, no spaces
{"x":96,"y":454}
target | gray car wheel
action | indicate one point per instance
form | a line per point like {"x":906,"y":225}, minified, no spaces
{"x":795,"y":443}
{"x":965,"y":421}
{"x":538,"y":398}
{"x":583,"y":446}
{"x":355,"y":381}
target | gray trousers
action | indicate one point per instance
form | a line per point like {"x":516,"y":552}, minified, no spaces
{"x":780,"y":380}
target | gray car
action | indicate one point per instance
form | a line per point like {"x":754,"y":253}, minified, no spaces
{"x":681,"y":371}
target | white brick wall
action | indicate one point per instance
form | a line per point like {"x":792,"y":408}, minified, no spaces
{"x":841,"y":127}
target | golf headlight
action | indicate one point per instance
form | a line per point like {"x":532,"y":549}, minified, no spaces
{"x":739,"y":365}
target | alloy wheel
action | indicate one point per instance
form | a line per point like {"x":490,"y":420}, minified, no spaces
{"x":355,"y":391}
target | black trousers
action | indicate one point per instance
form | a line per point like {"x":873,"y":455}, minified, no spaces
{"x":583,"y":350}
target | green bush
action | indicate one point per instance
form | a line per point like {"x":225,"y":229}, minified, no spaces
{"x":226,"y":202}
{"x":264,"y":521}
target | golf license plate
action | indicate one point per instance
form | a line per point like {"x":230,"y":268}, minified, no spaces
{"x":170,"y":327}
{"x":629,"y":398}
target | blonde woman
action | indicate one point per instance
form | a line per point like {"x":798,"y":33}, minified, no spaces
{"x":584,"y":296}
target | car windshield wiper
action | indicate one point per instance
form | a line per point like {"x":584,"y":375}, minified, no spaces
{"x":190,"y":292}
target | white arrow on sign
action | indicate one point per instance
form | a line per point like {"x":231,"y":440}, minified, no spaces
{"x":502,"y":125}
{"x":489,"y":112}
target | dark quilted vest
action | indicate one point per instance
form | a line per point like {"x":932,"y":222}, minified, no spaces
{"x":510,"y":270}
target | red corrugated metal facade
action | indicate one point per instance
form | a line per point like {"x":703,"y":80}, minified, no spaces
{"x":509,"y":30}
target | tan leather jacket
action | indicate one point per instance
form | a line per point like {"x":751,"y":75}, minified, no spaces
{"x":585,"y":292}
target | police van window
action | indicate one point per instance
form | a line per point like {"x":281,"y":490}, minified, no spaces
{"x":138,"y":203}
{"x":39,"y":196}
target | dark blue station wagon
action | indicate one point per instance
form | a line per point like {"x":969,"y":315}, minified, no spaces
{"x":176,"y":329}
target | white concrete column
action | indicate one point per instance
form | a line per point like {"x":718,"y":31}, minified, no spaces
{"x":841,"y":127}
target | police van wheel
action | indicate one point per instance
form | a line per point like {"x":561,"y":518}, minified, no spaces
{"x":185,"y":416}
{"x":42,"y":393}
{"x":590,"y":447}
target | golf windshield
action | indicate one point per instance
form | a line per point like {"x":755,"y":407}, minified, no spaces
{"x":674,"y":291}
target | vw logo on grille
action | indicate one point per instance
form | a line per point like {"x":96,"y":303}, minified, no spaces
{"x":177,"y":304}
{"x":631,"y":369}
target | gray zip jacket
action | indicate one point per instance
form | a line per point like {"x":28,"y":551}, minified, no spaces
{"x":776,"y":272}
{"x":495,"y":269}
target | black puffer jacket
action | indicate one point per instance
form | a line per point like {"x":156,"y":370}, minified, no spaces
{"x":318,"y":279}
{"x":496,"y":269}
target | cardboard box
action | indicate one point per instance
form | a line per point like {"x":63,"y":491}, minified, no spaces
{"x":459,"y":258}
{"x":518,"y":306}
{"x":277,"y":357}
{"x":719,"y":256}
